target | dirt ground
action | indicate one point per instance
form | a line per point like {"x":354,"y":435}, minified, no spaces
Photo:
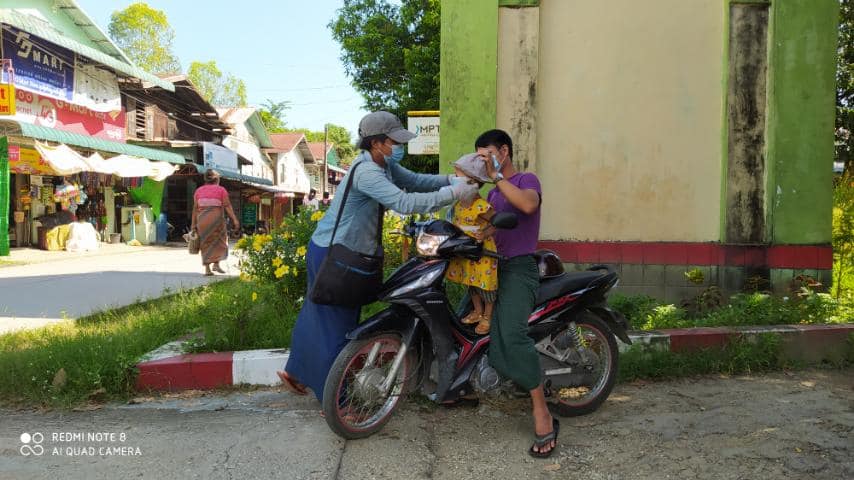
{"x":776,"y":426}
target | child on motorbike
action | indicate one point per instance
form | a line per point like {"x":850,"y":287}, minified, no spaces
{"x":472,"y":215}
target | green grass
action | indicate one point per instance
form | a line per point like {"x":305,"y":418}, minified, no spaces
{"x":98,"y":352}
{"x":234,"y":321}
{"x":760,"y":354}
{"x":745,"y":309}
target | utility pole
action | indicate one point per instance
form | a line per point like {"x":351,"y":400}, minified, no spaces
{"x":325,"y":169}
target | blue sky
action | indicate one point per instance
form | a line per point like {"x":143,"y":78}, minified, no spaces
{"x":282,"y":49}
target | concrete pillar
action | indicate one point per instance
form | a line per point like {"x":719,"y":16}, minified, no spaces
{"x":518,"y":68}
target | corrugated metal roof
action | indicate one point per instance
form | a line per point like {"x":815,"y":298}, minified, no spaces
{"x":235,"y":115}
{"x":331,"y":154}
{"x":250,"y":117}
{"x":51,"y":134}
{"x":43,"y":29}
{"x":83,"y":21}
{"x":285,"y":142}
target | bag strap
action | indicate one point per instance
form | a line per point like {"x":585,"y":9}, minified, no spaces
{"x":380,"y":210}
{"x":344,"y":200}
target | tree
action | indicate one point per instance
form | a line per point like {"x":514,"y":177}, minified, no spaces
{"x":337,"y":136}
{"x":216,"y":87}
{"x":144,"y":34}
{"x":391,"y":52}
{"x":845,"y":86}
{"x":273,"y":115}
{"x":340,"y":137}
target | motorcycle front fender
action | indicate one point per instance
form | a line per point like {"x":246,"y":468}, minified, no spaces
{"x":387,"y":320}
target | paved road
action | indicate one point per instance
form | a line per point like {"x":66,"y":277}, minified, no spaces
{"x":780,"y":426}
{"x":69,"y":286}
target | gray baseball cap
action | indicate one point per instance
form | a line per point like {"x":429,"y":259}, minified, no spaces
{"x":384,"y":123}
{"x":472,"y":165}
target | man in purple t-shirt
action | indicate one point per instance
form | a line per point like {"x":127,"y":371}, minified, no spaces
{"x":511,"y":350}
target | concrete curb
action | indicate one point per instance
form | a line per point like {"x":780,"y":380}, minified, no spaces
{"x":168,"y":369}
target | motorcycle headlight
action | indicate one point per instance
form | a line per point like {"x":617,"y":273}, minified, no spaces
{"x":428,"y":245}
{"x":423,"y":281}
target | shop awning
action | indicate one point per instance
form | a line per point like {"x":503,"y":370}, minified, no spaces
{"x":247,"y":179}
{"x":41,"y":29}
{"x":65,"y":161}
{"x":51,"y":134}
{"x":129,"y":166}
{"x":232,"y":175}
{"x":62,"y":159}
{"x":270,"y":188}
{"x":237,"y":177}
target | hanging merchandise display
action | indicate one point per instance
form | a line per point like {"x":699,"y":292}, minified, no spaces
{"x":46,"y":194}
{"x":66,"y":191}
{"x":26,"y":197}
{"x":149,"y":192}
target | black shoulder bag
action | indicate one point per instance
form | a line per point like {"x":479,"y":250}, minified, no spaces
{"x":346,"y":277}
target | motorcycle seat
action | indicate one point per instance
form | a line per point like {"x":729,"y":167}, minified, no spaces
{"x":568,"y":282}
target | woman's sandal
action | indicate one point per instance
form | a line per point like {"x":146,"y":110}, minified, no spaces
{"x":291,"y":384}
{"x":471,"y":318}
{"x":218,"y":269}
{"x":482,"y":326}
{"x":541,"y":441}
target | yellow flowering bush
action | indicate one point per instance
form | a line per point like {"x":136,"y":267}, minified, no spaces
{"x":278,"y":258}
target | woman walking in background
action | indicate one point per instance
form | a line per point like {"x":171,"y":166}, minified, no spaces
{"x":211,"y":204}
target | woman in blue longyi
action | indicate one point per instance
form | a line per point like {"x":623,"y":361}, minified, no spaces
{"x":380,"y":180}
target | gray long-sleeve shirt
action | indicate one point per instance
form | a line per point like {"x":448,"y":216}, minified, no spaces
{"x":372,"y":186}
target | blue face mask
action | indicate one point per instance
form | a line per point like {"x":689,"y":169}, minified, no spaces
{"x":396,"y":155}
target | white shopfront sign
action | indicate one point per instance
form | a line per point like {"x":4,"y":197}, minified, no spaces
{"x":219,"y":158}
{"x":427,"y":141}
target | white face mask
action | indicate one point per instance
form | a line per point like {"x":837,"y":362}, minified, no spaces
{"x":496,"y":164}
{"x":396,"y":154}
{"x":470,"y":195}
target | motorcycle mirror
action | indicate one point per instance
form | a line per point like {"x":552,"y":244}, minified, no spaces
{"x":504,"y":220}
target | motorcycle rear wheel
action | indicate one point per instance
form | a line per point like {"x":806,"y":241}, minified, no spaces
{"x":596,"y":335}
{"x":352,"y":403}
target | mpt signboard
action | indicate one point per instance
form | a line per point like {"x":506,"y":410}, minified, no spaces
{"x":426,"y":126}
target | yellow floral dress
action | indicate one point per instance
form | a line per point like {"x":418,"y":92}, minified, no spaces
{"x":482,"y":274}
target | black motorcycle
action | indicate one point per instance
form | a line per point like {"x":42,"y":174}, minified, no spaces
{"x":419,"y":342}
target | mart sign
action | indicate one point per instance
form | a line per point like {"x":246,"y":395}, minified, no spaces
{"x":7,"y":99}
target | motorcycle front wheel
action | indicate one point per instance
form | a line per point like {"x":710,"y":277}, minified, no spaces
{"x":354,"y":403}
{"x":595,"y":336}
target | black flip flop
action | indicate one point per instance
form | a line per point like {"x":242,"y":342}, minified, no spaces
{"x":541,"y":441}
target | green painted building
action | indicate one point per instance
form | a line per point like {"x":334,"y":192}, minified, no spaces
{"x":667,"y":134}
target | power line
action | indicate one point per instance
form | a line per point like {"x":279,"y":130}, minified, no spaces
{"x":176,"y":106}
{"x":59,"y":56}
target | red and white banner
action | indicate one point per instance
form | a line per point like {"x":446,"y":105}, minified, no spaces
{"x":61,"y":115}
